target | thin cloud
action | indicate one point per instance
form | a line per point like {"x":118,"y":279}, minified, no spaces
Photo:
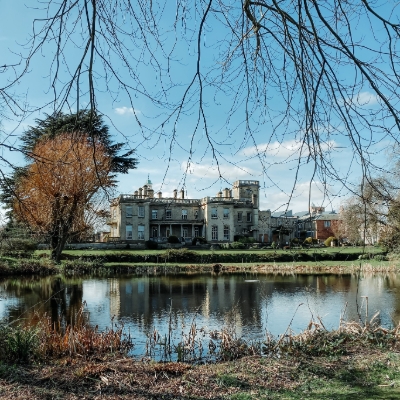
{"x":229,"y":172}
{"x":278,"y":201}
{"x":126,"y":111}
{"x":283,"y":150}
{"x":363,"y":99}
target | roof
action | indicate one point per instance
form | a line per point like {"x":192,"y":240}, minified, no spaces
{"x":327,"y":217}
{"x":282,"y":214}
{"x":302,"y":214}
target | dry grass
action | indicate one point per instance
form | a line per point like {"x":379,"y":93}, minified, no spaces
{"x":366,"y":374}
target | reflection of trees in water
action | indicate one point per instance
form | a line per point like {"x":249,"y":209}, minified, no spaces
{"x":392,"y":283}
{"x":53,"y":296}
{"x":227,"y":298}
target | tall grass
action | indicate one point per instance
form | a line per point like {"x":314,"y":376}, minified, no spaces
{"x":17,"y":343}
{"x":47,"y":340}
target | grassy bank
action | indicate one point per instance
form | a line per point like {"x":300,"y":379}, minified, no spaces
{"x":78,"y":268}
{"x":356,"y":361}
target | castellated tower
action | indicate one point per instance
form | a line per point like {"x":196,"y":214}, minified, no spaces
{"x":246,"y":190}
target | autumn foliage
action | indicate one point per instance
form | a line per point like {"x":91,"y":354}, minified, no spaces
{"x":61,"y":186}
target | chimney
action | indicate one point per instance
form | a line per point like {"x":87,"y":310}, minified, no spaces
{"x":159,"y":195}
{"x":135,"y":195}
{"x":219,"y":194}
{"x":182,"y":194}
{"x":175,"y":193}
{"x":226,"y":192}
{"x":145,"y":191}
{"x":140,"y":193}
{"x":150,"y":193}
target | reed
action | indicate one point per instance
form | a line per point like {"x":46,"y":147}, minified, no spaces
{"x":47,"y":340}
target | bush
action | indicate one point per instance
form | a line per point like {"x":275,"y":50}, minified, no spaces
{"x":273,"y":245}
{"x":17,"y":343}
{"x":179,"y":255}
{"x":380,"y":257}
{"x":246,"y":240}
{"x":237,"y":245}
{"x":18,"y":247}
{"x":173,"y":239}
{"x":201,"y":240}
{"x":151,"y":245}
{"x":328,"y":242}
{"x":310,"y":241}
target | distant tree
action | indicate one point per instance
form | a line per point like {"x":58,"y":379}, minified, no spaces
{"x":60,"y":189}
{"x":372,"y":215}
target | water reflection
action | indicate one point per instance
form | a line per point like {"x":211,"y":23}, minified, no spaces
{"x":147,"y":302}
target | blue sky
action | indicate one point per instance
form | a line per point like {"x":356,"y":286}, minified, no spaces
{"x":178,"y":154}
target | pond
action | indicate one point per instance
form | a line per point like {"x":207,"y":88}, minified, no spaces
{"x":250,"y":305}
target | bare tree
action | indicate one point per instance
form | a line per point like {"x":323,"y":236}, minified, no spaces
{"x":313,"y":71}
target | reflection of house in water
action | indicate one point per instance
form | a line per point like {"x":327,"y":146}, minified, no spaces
{"x":114,"y":296}
{"x":148,"y":299}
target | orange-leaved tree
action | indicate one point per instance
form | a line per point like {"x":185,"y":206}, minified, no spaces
{"x":67,"y":177}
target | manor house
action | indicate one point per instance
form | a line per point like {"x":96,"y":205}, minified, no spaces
{"x":145,"y":215}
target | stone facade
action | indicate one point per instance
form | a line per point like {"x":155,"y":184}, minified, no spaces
{"x":142,"y":216}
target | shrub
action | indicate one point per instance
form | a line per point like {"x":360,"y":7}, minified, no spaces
{"x":380,"y":257}
{"x":17,"y":343}
{"x":246,"y":240}
{"x":310,"y":241}
{"x":201,"y":240}
{"x":273,"y":245}
{"x":237,"y":245}
{"x":180,"y":255}
{"x":151,"y":245}
{"x":173,"y":239}
{"x":328,"y":241}
{"x":18,"y":247}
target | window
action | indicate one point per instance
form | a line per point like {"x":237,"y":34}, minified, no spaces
{"x":129,"y":235}
{"x":184,"y":214}
{"x":196,"y":214}
{"x":154,"y":214}
{"x":129,"y":211}
{"x":141,"y":211}
{"x":155,"y":232}
{"x":327,"y":224}
{"x":214,"y":213}
{"x":140,"y":232}
{"x":214,"y":233}
{"x":226,"y":213}
{"x":249,"y":217}
{"x":196,"y":231}
{"x":240,"y":216}
{"x":226,"y":232}
{"x":168,"y":214}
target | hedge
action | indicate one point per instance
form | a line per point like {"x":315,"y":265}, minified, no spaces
{"x":189,"y":256}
